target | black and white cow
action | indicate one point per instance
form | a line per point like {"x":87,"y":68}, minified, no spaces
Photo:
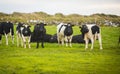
{"x":5,"y":29}
{"x":39,"y":34}
{"x":92,"y":32}
{"x":24,"y":34}
{"x":64,"y":32}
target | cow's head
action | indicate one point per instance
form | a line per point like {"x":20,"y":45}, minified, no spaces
{"x":26,"y":30}
{"x":68,"y":30}
{"x":84,"y":29}
{"x":40,"y":27}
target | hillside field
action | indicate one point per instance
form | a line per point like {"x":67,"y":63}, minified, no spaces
{"x":55,"y":59}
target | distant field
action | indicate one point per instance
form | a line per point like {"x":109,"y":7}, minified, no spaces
{"x":54,"y":59}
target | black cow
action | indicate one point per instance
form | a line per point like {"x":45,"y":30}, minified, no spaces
{"x":53,"y":39}
{"x":47,"y":38}
{"x":78,"y":39}
{"x":39,"y":34}
{"x":5,"y":29}
{"x":23,"y":33}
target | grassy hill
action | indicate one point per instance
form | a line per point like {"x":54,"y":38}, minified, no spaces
{"x":54,"y":59}
{"x":76,"y":19}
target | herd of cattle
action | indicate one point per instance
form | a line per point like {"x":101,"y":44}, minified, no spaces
{"x":90,"y":32}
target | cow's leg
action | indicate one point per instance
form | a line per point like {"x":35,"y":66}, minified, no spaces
{"x":42,"y":42}
{"x":17,"y":40}
{"x":95,"y":36}
{"x":29,"y":42}
{"x":100,"y":41}
{"x":58,"y":39}
{"x":37,"y":44}
{"x":24,"y":41}
{"x":62,"y":40}
{"x":86,"y":42}
{"x":12,"y":36}
{"x":0,"y":38}
{"x":21,"y":41}
{"x":70,"y":40}
{"x":6,"y":36}
{"x":92,"y":41}
{"x":12,"y":39}
{"x":66,"y":40}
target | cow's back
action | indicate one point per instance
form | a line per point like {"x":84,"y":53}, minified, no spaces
{"x":60,"y":29}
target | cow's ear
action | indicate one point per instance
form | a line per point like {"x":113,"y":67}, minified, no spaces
{"x":45,"y":24}
{"x":72,"y":25}
{"x":65,"y":25}
{"x":29,"y":26}
{"x":80,"y":27}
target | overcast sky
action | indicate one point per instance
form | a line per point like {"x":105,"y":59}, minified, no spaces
{"x":83,"y":7}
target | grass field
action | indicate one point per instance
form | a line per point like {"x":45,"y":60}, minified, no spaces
{"x":54,"y":59}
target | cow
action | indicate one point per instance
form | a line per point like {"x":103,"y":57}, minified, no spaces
{"x":53,"y":39}
{"x":78,"y":39}
{"x":64,"y":32}
{"x":47,"y":38}
{"x":5,"y":29}
{"x":39,"y":34}
{"x":92,"y":32}
{"x":24,"y":34}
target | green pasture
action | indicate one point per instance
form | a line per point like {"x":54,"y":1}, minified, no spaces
{"x":55,"y":59}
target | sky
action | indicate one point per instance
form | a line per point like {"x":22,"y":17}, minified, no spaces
{"x":82,"y":7}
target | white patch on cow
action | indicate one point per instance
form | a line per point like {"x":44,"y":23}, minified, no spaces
{"x":25,"y":25}
{"x":60,"y":35}
{"x":21,"y":29}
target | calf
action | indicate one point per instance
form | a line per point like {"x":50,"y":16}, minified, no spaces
{"x":92,"y":32}
{"x":24,"y":34}
{"x":39,"y":34}
{"x":5,"y":29}
{"x":64,"y":32}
